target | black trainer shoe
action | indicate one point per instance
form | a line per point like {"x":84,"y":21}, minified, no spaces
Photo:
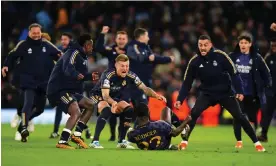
{"x":24,"y":134}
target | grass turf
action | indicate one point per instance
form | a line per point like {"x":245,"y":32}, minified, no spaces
{"x":207,"y":146}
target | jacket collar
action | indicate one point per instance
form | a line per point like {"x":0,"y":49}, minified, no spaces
{"x":209,"y":54}
{"x":139,"y":43}
{"x":75,"y":45}
{"x":34,"y":42}
{"x":68,"y":47}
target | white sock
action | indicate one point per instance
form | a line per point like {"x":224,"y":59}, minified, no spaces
{"x":257,"y":143}
{"x":240,"y":141}
{"x":78,"y":134}
{"x":61,"y":141}
{"x":67,"y":130}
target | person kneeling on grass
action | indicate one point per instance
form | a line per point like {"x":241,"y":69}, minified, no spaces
{"x":156,"y":135}
{"x":107,"y":96}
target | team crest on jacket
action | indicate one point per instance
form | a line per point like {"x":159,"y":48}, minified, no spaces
{"x":250,"y":62}
{"x":215,"y":63}
{"x":43,"y":49}
{"x":271,"y":62}
{"x":30,"y":51}
{"x":124,"y":83}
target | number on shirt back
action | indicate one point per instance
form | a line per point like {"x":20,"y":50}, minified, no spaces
{"x":154,"y":141}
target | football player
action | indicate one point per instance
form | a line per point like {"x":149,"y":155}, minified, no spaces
{"x":107,"y":96}
{"x":155,"y":135}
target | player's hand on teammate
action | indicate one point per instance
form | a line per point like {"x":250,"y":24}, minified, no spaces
{"x":95,"y":76}
{"x":162,"y":98}
{"x":177,"y":104}
{"x":114,"y":107}
{"x":80,"y":77}
{"x":239,"y":97}
{"x":105,"y":29}
{"x":273,"y":26}
{"x":5,"y":69}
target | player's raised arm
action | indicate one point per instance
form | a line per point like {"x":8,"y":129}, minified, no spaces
{"x":151,"y":93}
{"x":99,"y":45}
{"x":187,"y":82}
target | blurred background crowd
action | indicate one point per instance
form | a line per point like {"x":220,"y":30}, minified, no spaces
{"x":173,"y":28}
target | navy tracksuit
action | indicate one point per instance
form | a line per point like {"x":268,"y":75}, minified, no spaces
{"x":34,"y":63}
{"x":59,"y":111}
{"x":256,"y":78}
{"x":139,"y":63}
{"x":63,"y":86}
{"x":216,"y":72}
{"x":271,"y":95}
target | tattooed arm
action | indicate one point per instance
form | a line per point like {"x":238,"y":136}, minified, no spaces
{"x":151,"y":93}
{"x":109,"y":100}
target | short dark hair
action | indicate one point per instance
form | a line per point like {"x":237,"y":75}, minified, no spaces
{"x":246,"y":36}
{"x":84,"y":38}
{"x":68,"y":34}
{"x":35,"y":25}
{"x":139,"y":32}
{"x":121,"y":33}
{"x":142,"y":110}
{"x":204,"y":37}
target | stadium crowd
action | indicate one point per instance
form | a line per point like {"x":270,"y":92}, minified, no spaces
{"x":173,"y":28}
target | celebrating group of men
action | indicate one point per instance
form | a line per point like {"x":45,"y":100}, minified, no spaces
{"x":241,"y":83}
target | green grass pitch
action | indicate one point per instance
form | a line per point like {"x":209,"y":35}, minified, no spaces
{"x":207,"y":146}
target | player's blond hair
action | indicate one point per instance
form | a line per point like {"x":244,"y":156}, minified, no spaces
{"x":122,"y":58}
{"x":121,"y":33}
{"x":46,"y":36}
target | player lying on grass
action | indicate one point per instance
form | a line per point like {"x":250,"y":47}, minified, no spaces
{"x":107,"y":95}
{"x":155,"y":135}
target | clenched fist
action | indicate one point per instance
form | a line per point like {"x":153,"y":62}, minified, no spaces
{"x":105,"y":29}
